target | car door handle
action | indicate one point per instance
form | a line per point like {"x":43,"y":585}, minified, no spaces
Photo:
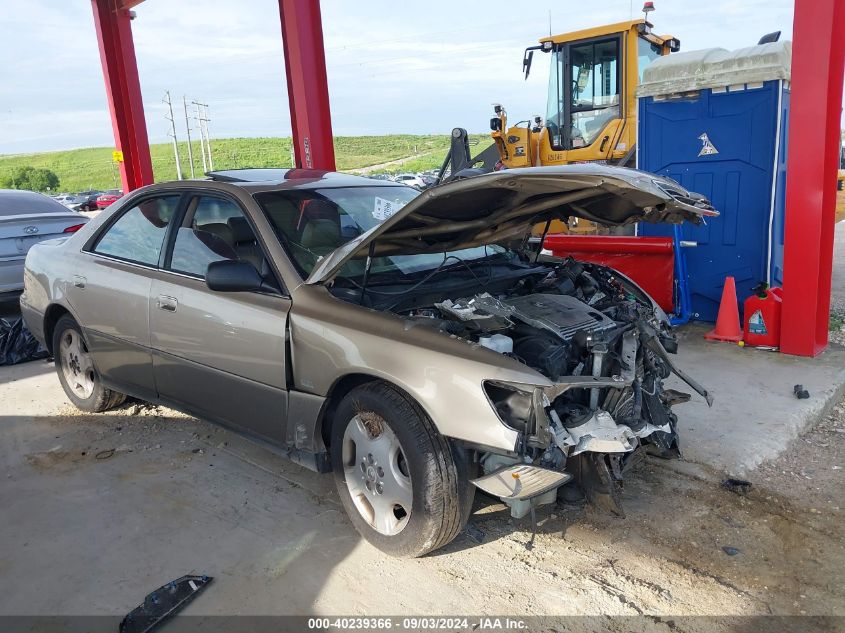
{"x":79,"y":281}
{"x":168,"y":304}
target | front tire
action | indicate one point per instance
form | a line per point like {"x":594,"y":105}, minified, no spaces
{"x":403,"y":485}
{"x":76,"y":370}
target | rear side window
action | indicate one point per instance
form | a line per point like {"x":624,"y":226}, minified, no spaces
{"x":138,"y":234}
{"x":214,"y":210}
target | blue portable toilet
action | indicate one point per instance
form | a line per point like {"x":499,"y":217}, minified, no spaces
{"x":716,"y":121}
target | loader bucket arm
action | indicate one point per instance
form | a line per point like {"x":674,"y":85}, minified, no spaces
{"x":460,"y":163}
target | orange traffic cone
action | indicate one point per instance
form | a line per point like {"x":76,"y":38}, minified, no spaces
{"x":727,"y":322}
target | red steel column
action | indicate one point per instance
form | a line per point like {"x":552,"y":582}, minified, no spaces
{"x":818,"y":64}
{"x":308,"y":90}
{"x":123,"y":90}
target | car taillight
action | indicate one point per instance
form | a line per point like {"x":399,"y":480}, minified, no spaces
{"x":73,"y":229}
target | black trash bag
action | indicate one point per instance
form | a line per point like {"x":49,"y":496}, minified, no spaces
{"x":17,"y":344}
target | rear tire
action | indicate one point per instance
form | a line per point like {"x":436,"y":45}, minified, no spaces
{"x":403,"y":485}
{"x":77,"y":373}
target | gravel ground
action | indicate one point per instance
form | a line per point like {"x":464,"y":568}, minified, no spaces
{"x":837,"y":318}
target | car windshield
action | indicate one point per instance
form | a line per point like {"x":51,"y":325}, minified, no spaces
{"x":313,"y":223}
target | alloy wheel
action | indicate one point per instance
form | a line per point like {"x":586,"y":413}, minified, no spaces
{"x":77,"y":366}
{"x":376,"y":473}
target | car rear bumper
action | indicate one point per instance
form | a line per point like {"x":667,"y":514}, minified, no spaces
{"x":11,"y":274}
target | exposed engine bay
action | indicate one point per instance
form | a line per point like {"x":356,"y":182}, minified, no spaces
{"x":602,"y":342}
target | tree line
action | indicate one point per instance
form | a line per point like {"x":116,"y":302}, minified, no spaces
{"x":31,"y":178}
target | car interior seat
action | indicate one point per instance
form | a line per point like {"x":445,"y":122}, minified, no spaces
{"x":221,"y":230}
{"x":320,"y":226}
{"x":244,"y":242}
{"x":219,"y":246}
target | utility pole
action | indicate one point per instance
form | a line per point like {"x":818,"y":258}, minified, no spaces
{"x":198,"y":119}
{"x":202,"y":120}
{"x":206,"y":120}
{"x":173,"y":135}
{"x":188,"y":130}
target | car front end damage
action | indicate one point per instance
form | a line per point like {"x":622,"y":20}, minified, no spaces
{"x":606,"y":348}
{"x":455,"y":259}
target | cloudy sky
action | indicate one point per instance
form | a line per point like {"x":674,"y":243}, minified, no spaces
{"x":413,"y":67}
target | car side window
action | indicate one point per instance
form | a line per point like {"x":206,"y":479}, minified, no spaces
{"x":214,"y":229}
{"x":138,"y":234}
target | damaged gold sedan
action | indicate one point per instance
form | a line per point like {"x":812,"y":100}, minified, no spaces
{"x":413,"y":344}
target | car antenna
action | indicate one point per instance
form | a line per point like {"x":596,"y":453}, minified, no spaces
{"x":367,"y":270}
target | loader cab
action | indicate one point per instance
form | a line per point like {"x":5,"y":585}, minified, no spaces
{"x":593,"y":77}
{"x":591,"y":106}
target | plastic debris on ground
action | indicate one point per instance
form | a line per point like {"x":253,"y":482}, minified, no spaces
{"x":163,"y":603}
{"x":17,"y":344}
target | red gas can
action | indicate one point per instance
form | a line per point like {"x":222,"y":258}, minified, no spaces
{"x":762,"y":317}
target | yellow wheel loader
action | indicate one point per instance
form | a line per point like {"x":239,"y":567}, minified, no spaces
{"x":591,"y":114}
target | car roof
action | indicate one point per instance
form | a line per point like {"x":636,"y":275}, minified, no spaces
{"x":269,"y":179}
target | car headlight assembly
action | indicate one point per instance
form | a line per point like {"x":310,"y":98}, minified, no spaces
{"x":521,"y":408}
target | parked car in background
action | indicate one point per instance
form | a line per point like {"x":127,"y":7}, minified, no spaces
{"x":90,"y":199}
{"x":27,"y":218}
{"x":410,"y":180}
{"x":108,"y":197}
{"x":428,"y":180}
{"x":408,"y":343}
{"x":72,"y":201}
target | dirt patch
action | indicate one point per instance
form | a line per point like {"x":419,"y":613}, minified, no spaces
{"x":55,"y":460}
{"x":58,"y":460}
{"x":94,"y":438}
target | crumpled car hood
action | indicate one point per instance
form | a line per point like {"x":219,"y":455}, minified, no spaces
{"x":504,"y":205}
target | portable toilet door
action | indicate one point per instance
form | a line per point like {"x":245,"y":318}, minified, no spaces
{"x":715,"y":121}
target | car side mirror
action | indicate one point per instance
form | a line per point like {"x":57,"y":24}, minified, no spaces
{"x":233,"y":276}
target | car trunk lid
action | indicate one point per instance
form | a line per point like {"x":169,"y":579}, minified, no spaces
{"x":19,"y":232}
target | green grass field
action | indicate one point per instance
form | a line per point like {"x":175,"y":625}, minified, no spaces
{"x":92,"y":167}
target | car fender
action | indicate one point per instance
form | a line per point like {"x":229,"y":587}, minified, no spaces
{"x":443,"y":373}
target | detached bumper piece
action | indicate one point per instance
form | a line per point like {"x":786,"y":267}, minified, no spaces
{"x":163,"y":603}
{"x":521,"y":486}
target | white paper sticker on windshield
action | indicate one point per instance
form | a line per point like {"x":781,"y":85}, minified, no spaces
{"x":383,"y":209}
